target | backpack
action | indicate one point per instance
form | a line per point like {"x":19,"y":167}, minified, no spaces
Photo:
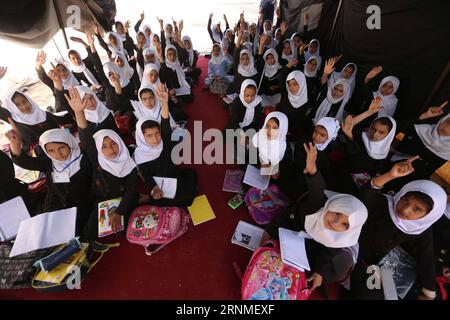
{"x":17,"y":272}
{"x":264,"y":205}
{"x":268,"y":278}
{"x":219,"y":86}
{"x":154,"y":227}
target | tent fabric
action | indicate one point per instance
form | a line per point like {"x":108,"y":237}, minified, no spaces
{"x":32,"y":23}
{"x":411,"y":44}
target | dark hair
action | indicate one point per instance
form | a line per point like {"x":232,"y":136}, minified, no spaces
{"x":72,"y":52}
{"x":385,"y":121}
{"x":150,"y":124}
{"x":17,"y":94}
{"x":250,"y":86}
{"x":276,"y":120}
{"x":146,"y":90}
{"x":422,"y":197}
{"x":352,"y":66}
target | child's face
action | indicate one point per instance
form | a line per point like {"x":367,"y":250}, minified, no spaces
{"x":411,"y":208}
{"x":148,"y":32}
{"x":91,"y":103}
{"x":347,"y":72}
{"x":150,"y":58}
{"x":278,"y":36}
{"x":245,"y":60}
{"x":267,"y":25}
{"x":75,"y":58}
{"x":313,"y":48}
{"x":57,"y":151}
{"x":148,"y":100}
{"x":216,"y":51}
{"x":153,"y":76}
{"x":112,"y":40}
{"x":336,"y":221}
{"x":120,"y":29}
{"x":320,"y":135}
{"x":311,"y":65}
{"x":152,"y":136}
{"x":23,"y":104}
{"x":187,"y":44}
{"x":171,"y":55}
{"x":444,"y":128}
{"x":63,"y":71}
{"x":387,"y":88}
{"x":141,"y":39}
{"x":155,"y":40}
{"x":293,"y":86}
{"x":270,"y":60}
{"x":110,"y":149}
{"x":252,"y":30}
{"x":272,"y":129}
{"x":249,"y":94}
{"x":338,"y":91}
{"x":169,"y":29}
{"x":120,"y":62}
{"x":378,"y":131}
{"x":297,"y":40}
{"x":287,"y":48}
{"x":229,"y":35}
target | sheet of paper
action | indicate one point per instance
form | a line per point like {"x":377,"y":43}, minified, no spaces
{"x":293,"y":251}
{"x":44,"y":231}
{"x":254,"y":178}
{"x":12,"y":213}
{"x":247,"y":235}
{"x":168,"y":186}
{"x":201,"y":210}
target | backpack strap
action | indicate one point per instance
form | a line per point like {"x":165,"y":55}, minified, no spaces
{"x":101,"y":248}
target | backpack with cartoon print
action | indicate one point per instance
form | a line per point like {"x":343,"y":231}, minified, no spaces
{"x":154,"y":227}
{"x":268,"y":278}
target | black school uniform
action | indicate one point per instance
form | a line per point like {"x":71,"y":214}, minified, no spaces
{"x":380,"y":235}
{"x":76,"y":193}
{"x":108,"y":123}
{"x":333,"y":264}
{"x":235,"y":86}
{"x":267,"y":83}
{"x":193,"y":72}
{"x":164,"y":167}
{"x":106,"y":186}
{"x":88,"y":61}
{"x":61,"y":104}
{"x":296,"y":116}
{"x":238,"y":113}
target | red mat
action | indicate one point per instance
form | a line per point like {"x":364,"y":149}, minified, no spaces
{"x":199,"y":265}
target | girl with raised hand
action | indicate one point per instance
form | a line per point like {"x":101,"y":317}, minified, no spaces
{"x":404,"y":219}
{"x":114,"y":171}
{"x":331,"y":226}
{"x":153,"y":157}
{"x":218,"y":66}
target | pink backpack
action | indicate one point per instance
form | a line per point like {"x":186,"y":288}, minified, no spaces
{"x":154,"y":227}
{"x":268,"y":278}
{"x":264,"y":205}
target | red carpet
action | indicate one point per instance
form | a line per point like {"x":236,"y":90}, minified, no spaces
{"x":199,"y":265}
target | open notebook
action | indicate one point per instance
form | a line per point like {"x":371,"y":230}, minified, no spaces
{"x":293,"y":251}
{"x":12,"y":213}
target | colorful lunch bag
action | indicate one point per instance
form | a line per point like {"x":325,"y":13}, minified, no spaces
{"x":264,"y":205}
{"x":268,"y":278}
{"x":154,"y":227}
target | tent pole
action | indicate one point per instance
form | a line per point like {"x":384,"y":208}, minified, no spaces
{"x":61,"y":24}
{"x":335,"y":20}
{"x":56,"y":45}
{"x":437,"y":86}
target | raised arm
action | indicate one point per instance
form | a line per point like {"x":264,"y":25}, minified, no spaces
{"x":398,"y":170}
{"x":138,"y":24}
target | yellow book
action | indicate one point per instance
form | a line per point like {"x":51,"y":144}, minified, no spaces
{"x":61,"y":271}
{"x":201,"y":210}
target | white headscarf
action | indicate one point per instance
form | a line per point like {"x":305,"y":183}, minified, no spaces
{"x":379,"y":149}
{"x":148,"y":42}
{"x":352,"y":80}
{"x":326,"y":104}
{"x":72,"y":164}
{"x":36,"y":116}
{"x":141,"y":112}
{"x":225,"y":43}
{"x":346,"y":204}
{"x":309,"y":54}
{"x":301,"y":97}
{"x":145,"y":82}
{"x":190,"y":51}
{"x":147,"y":27}
{"x":389,"y":102}
{"x":70,"y":81}
{"x":305,"y":68}
{"x":219,"y":59}
{"x":216,"y":35}
{"x":144,"y":152}
{"x":275,"y":35}
{"x":118,"y":48}
{"x":123,"y":164}
{"x":271,"y":70}
{"x":126,"y":72}
{"x":434,"y":142}
{"x":84,"y":70}
{"x":100,"y":113}
{"x":294,"y":53}
{"x":429,"y":188}
{"x":122,"y":37}
{"x":272,"y":151}
{"x":248,"y":70}
{"x":250,"y":107}
{"x":150,"y":51}
{"x":332,"y":126}
{"x":184,"y":85}
{"x":264,"y":26}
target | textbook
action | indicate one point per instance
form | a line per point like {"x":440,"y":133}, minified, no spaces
{"x":293,"y":251}
{"x":247,"y":235}
{"x":12,"y":213}
{"x":233,"y":181}
{"x":168,"y":186}
{"x":105,"y":210}
{"x":254,"y":178}
{"x":201,"y":210}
